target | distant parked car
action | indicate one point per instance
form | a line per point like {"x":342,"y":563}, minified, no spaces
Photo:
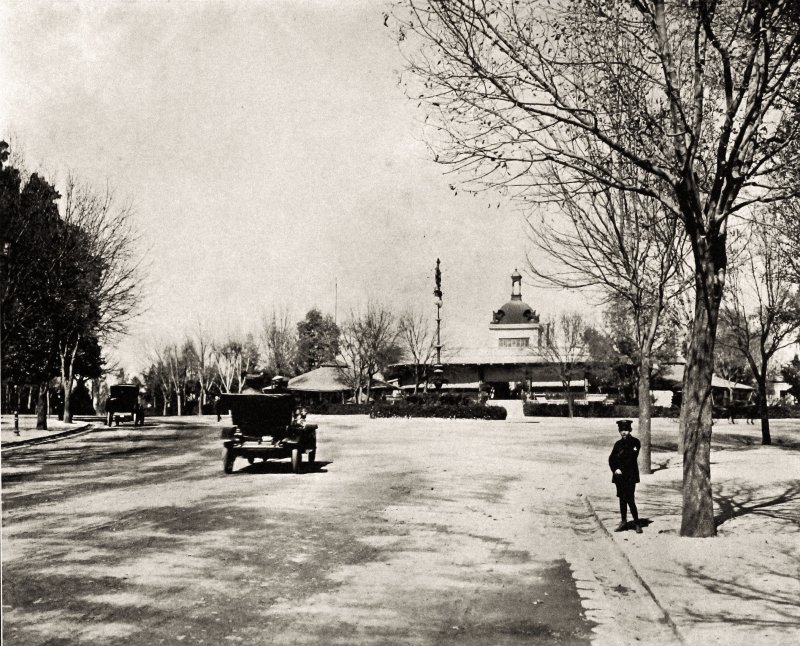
{"x":123,"y":405}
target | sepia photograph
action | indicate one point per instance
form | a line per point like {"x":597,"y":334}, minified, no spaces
{"x":400,"y":322}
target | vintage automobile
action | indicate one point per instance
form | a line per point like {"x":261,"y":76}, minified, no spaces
{"x":265,"y":428}
{"x":123,"y":405}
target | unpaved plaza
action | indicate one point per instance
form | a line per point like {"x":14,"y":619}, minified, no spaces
{"x":405,"y":532}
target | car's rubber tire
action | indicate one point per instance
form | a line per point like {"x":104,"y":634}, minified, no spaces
{"x":228,"y":458}
{"x":109,"y":418}
{"x":297,"y":460}
{"x":312,"y":457}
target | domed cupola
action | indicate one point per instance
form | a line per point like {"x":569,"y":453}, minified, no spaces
{"x":516,"y":311}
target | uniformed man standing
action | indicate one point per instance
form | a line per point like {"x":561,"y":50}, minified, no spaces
{"x":625,"y":467}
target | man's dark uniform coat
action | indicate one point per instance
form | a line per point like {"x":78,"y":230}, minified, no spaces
{"x":624,"y":457}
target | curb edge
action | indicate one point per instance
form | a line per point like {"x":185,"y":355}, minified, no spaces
{"x":47,"y":438}
{"x":636,"y":574}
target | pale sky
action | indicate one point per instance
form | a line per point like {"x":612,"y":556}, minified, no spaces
{"x":269,"y":153}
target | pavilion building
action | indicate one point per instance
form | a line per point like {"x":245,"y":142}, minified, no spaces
{"x":514,"y":360}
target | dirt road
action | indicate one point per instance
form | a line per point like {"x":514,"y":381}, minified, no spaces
{"x":405,"y":532}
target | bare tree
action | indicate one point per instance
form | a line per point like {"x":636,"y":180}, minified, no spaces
{"x":99,"y":237}
{"x":228,"y":363}
{"x":168,"y":371}
{"x":157,"y":382}
{"x":233,"y":359}
{"x":762,"y":308}
{"x":565,"y":346}
{"x":626,"y":245}
{"x":418,"y":339}
{"x":728,"y":360}
{"x":787,"y":217}
{"x":176,"y":367}
{"x":250,"y":357}
{"x":695,"y":95}
{"x":279,"y":340}
{"x":368,"y":344}
{"x":202,"y":361}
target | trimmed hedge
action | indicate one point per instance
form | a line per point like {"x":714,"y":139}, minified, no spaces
{"x":444,"y":405}
{"x":598,"y":409}
{"x":448,"y":399}
{"x":593,"y":409}
{"x":782,"y":411}
{"x":339,"y":409}
{"x":439,"y":409}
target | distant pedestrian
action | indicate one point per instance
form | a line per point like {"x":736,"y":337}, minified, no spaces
{"x":217,"y":408}
{"x":60,"y":404}
{"x":623,"y":462}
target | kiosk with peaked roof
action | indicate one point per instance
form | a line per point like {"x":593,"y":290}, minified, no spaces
{"x":326,"y":383}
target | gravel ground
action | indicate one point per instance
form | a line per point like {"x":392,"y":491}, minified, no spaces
{"x":406,"y":532}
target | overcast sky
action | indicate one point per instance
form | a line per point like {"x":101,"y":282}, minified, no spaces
{"x":269,"y":153}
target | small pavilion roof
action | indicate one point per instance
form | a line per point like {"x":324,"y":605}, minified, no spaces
{"x":328,"y":378}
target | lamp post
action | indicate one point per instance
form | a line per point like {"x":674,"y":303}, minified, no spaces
{"x":438,"y":372}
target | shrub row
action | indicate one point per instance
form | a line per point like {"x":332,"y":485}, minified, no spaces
{"x":339,"y":409}
{"x":783,"y":411}
{"x":598,"y":409}
{"x":448,"y":399}
{"x":446,"y":405}
{"x":438,"y":409}
{"x":592,"y":409}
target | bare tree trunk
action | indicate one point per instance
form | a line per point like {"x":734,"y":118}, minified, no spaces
{"x":165,"y":405}
{"x":66,"y":386}
{"x":67,"y":374}
{"x":41,"y":407}
{"x":568,"y":393}
{"x":763,"y":408}
{"x":696,"y":413}
{"x":645,"y":415}
{"x":96,"y":395}
{"x":67,"y":395}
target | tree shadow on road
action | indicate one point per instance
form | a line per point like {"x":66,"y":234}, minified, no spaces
{"x":729,"y":441}
{"x":723,"y":440}
{"x":743,"y":501}
{"x":771,"y":601}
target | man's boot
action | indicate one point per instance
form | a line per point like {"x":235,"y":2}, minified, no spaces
{"x":637,"y":527}
{"x":623,"y":525}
